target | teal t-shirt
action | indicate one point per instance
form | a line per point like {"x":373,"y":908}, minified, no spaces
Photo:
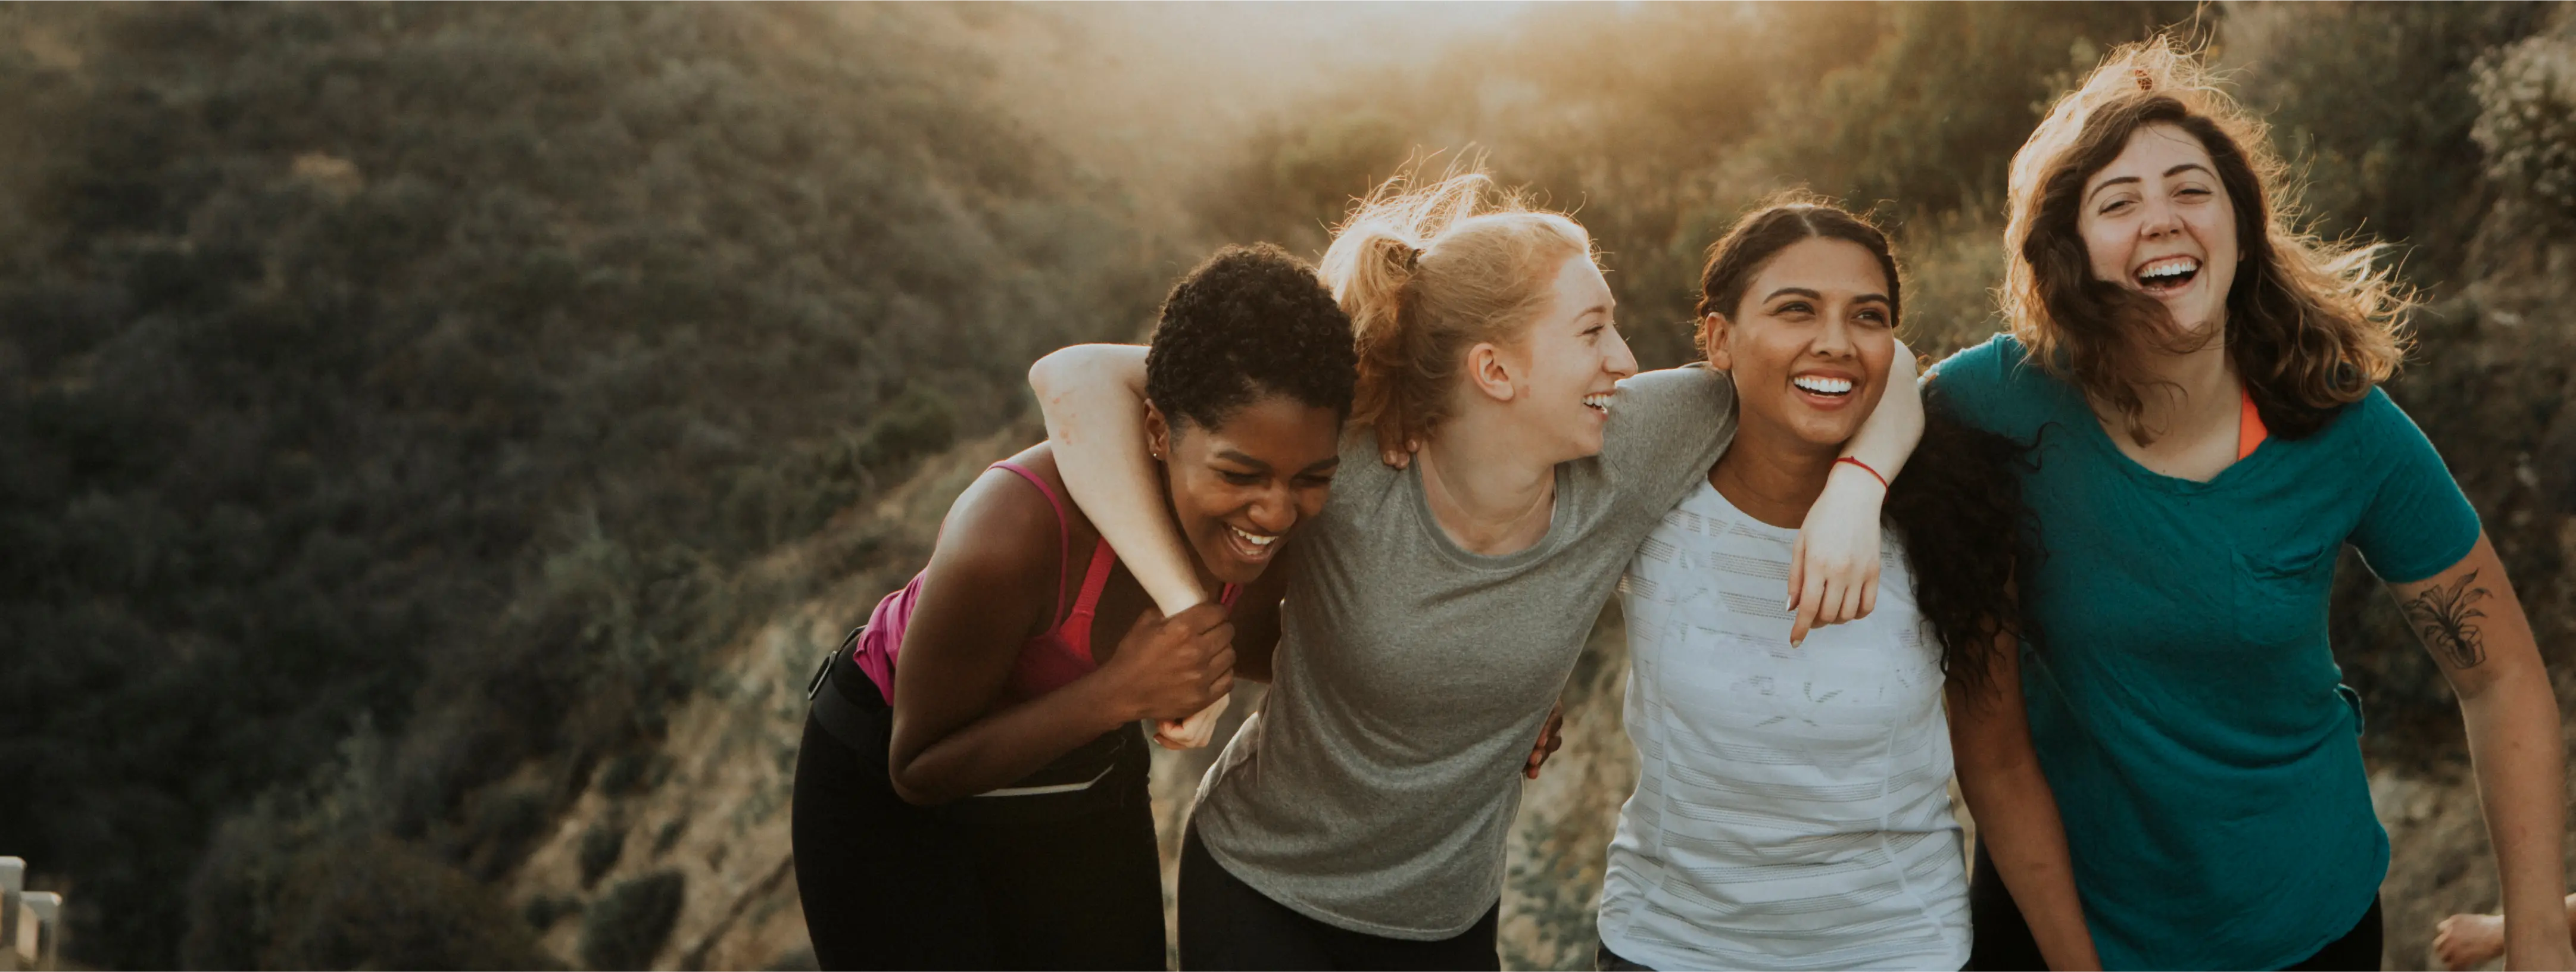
{"x":2183,"y":699}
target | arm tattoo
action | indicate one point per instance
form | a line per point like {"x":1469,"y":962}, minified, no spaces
{"x":2444,"y":618}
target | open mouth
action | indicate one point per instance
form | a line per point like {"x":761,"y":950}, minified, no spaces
{"x":1251,"y":546}
{"x":2165,"y":275}
{"x":1598,"y":402}
{"x":1822,"y":385}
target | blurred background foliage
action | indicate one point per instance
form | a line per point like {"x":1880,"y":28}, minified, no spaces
{"x":393,"y":396}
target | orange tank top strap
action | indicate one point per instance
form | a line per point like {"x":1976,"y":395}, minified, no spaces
{"x":2249,"y":425}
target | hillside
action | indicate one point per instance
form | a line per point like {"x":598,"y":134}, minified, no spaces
{"x":441,"y":439}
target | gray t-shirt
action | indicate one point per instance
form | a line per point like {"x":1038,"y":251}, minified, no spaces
{"x":1376,"y":787}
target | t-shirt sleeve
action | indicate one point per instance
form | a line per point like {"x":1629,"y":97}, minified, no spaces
{"x":2418,"y":524}
{"x":1666,"y":428}
{"x":1973,"y":385}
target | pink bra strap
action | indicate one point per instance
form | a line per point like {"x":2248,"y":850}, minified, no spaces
{"x":1102,"y":559}
{"x":1064,"y":534}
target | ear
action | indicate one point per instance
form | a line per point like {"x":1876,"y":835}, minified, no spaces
{"x":1491,"y":371}
{"x":1158,"y":433}
{"x":1717,"y":329}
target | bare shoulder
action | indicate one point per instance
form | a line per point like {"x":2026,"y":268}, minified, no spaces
{"x":1001,"y":534}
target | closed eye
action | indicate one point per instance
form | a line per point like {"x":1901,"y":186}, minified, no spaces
{"x":1240,"y":478}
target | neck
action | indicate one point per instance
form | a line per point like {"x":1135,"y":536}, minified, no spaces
{"x":1771,"y":475}
{"x":2188,"y":391}
{"x":1208,"y":582}
{"x":1489,"y":492}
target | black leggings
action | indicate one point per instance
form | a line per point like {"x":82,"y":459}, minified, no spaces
{"x":889,"y":885}
{"x":2004,"y":942}
{"x":1225,"y":924}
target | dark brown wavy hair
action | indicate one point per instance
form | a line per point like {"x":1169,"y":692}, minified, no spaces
{"x":1957,"y":505}
{"x":2311,"y":326}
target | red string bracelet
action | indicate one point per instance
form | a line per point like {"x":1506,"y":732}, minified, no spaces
{"x":1864,"y":467}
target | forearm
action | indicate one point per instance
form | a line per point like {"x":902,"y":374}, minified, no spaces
{"x":1888,"y":436}
{"x":991,"y":752}
{"x":2513,"y":733}
{"x":1093,"y":398}
{"x":2017,"y":821}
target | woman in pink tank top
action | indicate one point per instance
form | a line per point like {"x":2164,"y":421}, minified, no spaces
{"x":971,"y":787}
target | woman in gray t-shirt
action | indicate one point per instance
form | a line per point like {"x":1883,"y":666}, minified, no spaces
{"x":1431,"y":614}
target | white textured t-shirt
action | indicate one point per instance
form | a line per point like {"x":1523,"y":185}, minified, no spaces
{"x":1792,"y":807}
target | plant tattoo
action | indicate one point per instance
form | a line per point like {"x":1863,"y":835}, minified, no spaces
{"x":2444,"y":616}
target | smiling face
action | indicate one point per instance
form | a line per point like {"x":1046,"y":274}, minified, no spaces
{"x":2158,"y":221}
{"x":1240,"y":488}
{"x":1809,"y":344}
{"x":1567,"y":363}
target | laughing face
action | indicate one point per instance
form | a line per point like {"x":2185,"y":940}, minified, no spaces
{"x":2157,"y":221}
{"x":1238,"y":489}
{"x":1809,"y":345}
{"x":1572,"y":358}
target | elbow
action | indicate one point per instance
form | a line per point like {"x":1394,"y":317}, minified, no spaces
{"x":1046,"y":372}
{"x":912,"y":788}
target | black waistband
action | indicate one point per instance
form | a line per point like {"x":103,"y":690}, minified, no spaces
{"x":849,"y":706}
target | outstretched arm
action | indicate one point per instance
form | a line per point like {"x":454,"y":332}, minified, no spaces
{"x":2471,"y":622}
{"x":2016,"y":812}
{"x":1833,"y":573}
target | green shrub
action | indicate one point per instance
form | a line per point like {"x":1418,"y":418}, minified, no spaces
{"x":378,"y":902}
{"x":627,"y":926}
{"x":507,"y":821}
{"x":601,"y":845}
{"x":544,"y":910}
{"x":2527,"y":121}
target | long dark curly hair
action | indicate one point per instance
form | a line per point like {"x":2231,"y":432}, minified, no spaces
{"x":1957,"y":505}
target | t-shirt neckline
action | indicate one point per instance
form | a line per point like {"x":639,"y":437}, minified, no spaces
{"x":2137,"y":471}
{"x":1559,"y":512}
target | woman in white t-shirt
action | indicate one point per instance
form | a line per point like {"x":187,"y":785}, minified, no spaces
{"x":1792,"y":809}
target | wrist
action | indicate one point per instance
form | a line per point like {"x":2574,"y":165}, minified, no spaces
{"x":1108,"y":701}
{"x":1851,"y":467}
{"x":1855,"y":483}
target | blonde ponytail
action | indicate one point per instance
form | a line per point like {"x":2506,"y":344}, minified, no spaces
{"x":1427,"y":274}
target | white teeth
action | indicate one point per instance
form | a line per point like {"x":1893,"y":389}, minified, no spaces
{"x":2168,"y":267}
{"x":1822,"y":385}
{"x":1253,"y":540}
{"x":1600,"y":400}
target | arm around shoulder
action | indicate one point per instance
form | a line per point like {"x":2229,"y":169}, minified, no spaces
{"x":1093,"y":398}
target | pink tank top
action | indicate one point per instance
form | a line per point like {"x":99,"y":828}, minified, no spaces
{"x":1047,"y":662}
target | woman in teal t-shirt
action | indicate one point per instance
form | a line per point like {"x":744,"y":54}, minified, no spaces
{"x":2200,"y":382}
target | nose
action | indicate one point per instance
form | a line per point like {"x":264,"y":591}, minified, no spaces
{"x":1834,"y":340}
{"x":2160,"y":218}
{"x":1274,"y":511}
{"x":1615,"y":356}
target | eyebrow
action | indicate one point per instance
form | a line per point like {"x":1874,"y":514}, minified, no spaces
{"x":1238,"y":455}
{"x":1812,"y":295}
{"x":2169,"y":173}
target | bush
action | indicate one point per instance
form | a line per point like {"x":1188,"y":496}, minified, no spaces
{"x":627,"y":926}
{"x":544,"y":910}
{"x":2527,"y":121}
{"x":601,"y":845}
{"x":379,"y":901}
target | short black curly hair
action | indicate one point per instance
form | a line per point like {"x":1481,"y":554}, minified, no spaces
{"x":1248,"y":322}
